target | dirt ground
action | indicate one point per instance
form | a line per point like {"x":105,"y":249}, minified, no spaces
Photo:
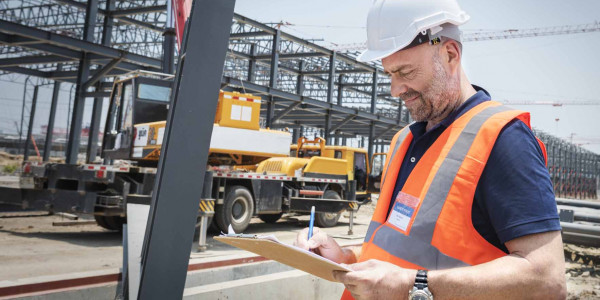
{"x":30,"y":246}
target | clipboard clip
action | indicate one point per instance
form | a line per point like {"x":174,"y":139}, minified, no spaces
{"x":232,"y":233}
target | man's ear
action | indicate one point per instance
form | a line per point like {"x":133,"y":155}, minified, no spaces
{"x":451,"y":54}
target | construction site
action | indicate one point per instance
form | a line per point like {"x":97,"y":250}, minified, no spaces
{"x":132,"y":133}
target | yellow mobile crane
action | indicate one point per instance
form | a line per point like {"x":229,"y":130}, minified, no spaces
{"x":249,"y":172}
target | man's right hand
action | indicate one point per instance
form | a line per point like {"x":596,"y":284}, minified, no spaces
{"x":324,"y":245}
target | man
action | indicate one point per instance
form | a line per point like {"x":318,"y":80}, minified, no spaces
{"x":465,"y":192}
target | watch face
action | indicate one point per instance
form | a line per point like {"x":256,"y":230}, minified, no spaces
{"x":420,"y":295}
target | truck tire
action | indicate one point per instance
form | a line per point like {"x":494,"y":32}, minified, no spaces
{"x":109,"y":222}
{"x":325,"y":220}
{"x":237,"y":209}
{"x":270,"y":218}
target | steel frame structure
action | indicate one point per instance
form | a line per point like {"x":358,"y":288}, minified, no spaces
{"x":309,"y":86}
{"x":310,"y":89}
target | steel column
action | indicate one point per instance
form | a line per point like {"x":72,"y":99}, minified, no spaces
{"x":372,"y":109}
{"x":170,"y":230}
{"x":92,"y":146}
{"x":82,"y":77}
{"x":168,"y":61}
{"x":30,"y":128}
{"x":273,"y":74}
{"x":252,"y":63}
{"x":51,"y":118}
{"x":300,"y":79}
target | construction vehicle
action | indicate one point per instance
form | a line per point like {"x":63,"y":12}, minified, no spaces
{"x":249,"y":173}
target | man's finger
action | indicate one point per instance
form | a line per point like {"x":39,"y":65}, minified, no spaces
{"x":361,"y":265}
{"x":317,"y":240}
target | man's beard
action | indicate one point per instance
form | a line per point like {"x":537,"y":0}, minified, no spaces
{"x":438,"y":100}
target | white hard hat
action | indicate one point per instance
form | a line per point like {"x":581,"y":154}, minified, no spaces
{"x":393,"y":25}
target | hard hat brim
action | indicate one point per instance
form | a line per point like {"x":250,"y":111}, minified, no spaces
{"x":371,"y":55}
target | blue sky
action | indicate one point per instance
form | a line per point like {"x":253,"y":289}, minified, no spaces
{"x":556,"y":68}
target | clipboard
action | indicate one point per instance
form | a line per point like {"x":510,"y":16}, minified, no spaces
{"x":271,"y":248}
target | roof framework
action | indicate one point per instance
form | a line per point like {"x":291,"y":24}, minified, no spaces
{"x":309,"y":86}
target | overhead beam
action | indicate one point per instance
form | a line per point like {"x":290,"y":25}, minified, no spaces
{"x":291,"y":55}
{"x":343,"y":122}
{"x":81,"y":45}
{"x":82,"y":5}
{"x":101,"y":73}
{"x":33,"y":60}
{"x":286,"y":111}
{"x":137,"y":11}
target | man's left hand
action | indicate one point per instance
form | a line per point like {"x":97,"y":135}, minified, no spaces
{"x":375,"y":279}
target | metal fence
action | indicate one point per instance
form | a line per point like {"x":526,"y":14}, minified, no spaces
{"x":574,"y":171}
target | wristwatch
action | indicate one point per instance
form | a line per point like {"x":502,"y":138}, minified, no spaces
{"x":420,"y":290}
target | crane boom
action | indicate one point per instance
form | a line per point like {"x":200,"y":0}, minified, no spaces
{"x":502,"y":35}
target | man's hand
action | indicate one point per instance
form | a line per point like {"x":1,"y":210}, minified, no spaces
{"x":375,"y":279}
{"x":324,"y":245}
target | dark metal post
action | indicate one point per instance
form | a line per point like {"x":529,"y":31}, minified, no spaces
{"x":23,"y":110}
{"x":168,"y":62}
{"x":300,"y":79}
{"x":170,"y":230}
{"x":92,"y":146}
{"x":373,"y":104}
{"x":273,"y":74}
{"x":30,"y":128}
{"x":340,"y":94}
{"x":83,"y":73}
{"x":52,"y":117}
{"x":252,"y":64}
{"x":330,"y":87}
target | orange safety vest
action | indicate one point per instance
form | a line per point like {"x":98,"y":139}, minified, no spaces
{"x":430,"y":225}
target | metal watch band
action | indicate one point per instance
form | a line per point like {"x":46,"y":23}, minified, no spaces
{"x":421,"y":279}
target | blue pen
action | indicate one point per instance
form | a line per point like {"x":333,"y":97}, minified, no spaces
{"x":312,"y":222}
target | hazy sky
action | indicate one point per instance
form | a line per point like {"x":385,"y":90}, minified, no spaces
{"x":557,"y":68}
{"x":561,"y":68}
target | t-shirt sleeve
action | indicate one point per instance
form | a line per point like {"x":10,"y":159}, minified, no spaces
{"x":515,"y":190}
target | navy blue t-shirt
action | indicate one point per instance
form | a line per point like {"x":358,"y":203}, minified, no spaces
{"x":514,"y":196}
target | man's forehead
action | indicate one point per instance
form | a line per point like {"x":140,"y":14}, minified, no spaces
{"x":393,"y":66}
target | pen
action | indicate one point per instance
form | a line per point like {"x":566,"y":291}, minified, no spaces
{"x":312,"y":222}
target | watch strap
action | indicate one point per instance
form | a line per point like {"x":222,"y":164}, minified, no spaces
{"x":421,"y":279}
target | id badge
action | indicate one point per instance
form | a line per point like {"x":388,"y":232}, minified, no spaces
{"x":404,"y":210}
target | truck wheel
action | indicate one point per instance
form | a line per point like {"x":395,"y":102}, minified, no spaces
{"x":237,"y":209}
{"x":270,"y":218}
{"x":109,"y":222}
{"x":328,"y":219}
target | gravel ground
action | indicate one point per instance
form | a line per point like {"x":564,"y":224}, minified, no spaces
{"x":30,"y":246}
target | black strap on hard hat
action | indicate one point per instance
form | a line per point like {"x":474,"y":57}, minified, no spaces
{"x":422,"y":38}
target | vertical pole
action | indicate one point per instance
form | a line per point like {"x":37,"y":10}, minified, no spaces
{"x":300,"y":79}
{"x":83,"y":73}
{"x":92,"y":146}
{"x":170,"y":231}
{"x":52,"y":117}
{"x":168,"y":62}
{"x":273,"y":74}
{"x":373,"y":104}
{"x":23,"y":110}
{"x":330,"y":87}
{"x":30,"y":128}
{"x":340,"y":94}
{"x":252,"y":64}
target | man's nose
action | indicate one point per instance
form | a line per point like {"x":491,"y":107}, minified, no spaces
{"x":398,"y":87}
